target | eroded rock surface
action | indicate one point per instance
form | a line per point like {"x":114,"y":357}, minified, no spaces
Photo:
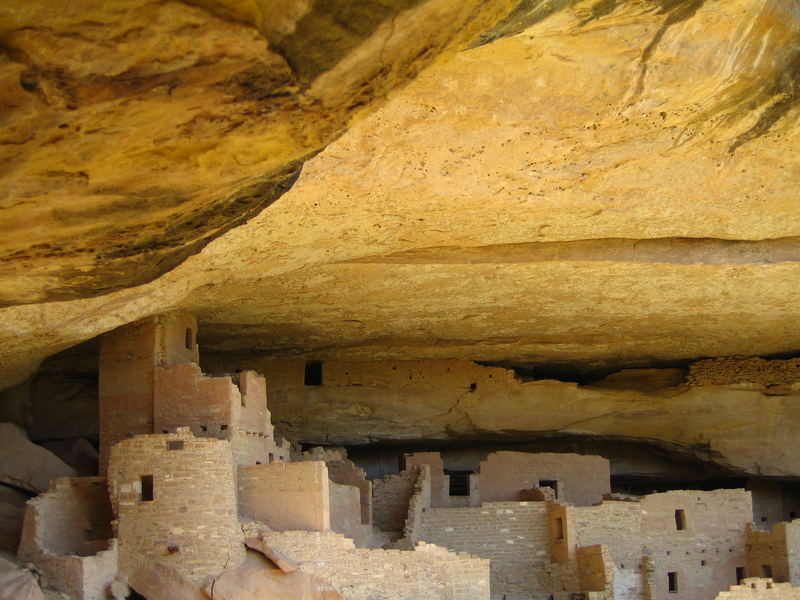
{"x":26,"y":465}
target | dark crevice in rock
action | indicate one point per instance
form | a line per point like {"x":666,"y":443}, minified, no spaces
{"x":524,"y":15}
{"x":671,"y":250}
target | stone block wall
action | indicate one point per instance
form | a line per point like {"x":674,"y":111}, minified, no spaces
{"x":728,"y":370}
{"x":426,"y":573}
{"x":514,"y":536}
{"x":753,"y":588}
{"x":775,"y":553}
{"x":174,"y":498}
{"x":440,"y":483}
{"x":390,"y":499}
{"x":286,"y":496}
{"x":705,"y":553}
{"x":580,"y":480}
{"x":67,"y":535}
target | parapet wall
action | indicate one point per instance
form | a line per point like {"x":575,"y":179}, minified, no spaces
{"x":728,"y":370}
{"x":426,"y":573}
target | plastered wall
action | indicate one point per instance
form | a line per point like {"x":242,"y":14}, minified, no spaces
{"x":580,"y":479}
{"x":286,"y":496}
{"x":191,"y":522}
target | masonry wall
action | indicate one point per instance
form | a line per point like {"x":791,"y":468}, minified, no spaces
{"x":775,"y":553}
{"x":440,"y":483}
{"x":345,"y":512}
{"x":67,"y":534}
{"x":581,"y":480}
{"x":596,"y":570}
{"x":286,"y":496}
{"x":706,"y":553}
{"x":390,"y":499}
{"x":427,"y":573}
{"x":514,"y":536}
{"x":126,"y":384}
{"x":345,"y":472}
{"x":191,"y":522}
{"x":760,"y":589}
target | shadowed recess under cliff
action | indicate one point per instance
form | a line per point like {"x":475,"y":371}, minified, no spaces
{"x":678,"y":251}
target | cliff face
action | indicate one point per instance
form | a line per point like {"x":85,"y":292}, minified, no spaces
{"x":580,"y":184}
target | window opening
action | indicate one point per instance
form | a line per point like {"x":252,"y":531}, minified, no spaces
{"x":766,"y":571}
{"x":792,"y":514}
{"x":551,"y":483}
{"x":740,"y":575}
{"x":189,"y":338}
{"x":313,"y":373}
{"x":271,"y":457}
{"x":672,"y":582}
{"x":146,"y":482}
{"x":680,"y":520}
{"x":459,"y":482}
{"x":175,"y":445}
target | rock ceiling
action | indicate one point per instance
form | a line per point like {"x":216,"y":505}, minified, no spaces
{"x":591,"y":184}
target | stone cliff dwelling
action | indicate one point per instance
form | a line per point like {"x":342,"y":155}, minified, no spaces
{"x":399,"y":300}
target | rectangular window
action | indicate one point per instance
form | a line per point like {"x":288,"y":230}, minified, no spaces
{"x":459,"y":482}
{"x":189,"y":338}
{"x":559,"y":528}
{"x":680,"y":520}
{"x":313,"y":373}
{"x":551,"y":483}
{"x":740,"y":575}
{"x":271,"y":457}
{"x":766,"y":571}
{"x":792,"y":514}
{"x":146,"y":482}
{"x":175,"y":445}
{"x":672,"y":582}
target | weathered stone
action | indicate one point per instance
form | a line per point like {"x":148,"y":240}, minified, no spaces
{"x":26,"y":465}
{"x":258,"y":578}
{"x":77,"y":453}
{"x":12,"y":513}
{"x":19,"y":584}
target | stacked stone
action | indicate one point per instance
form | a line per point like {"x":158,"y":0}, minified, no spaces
{"x":727,"y":370}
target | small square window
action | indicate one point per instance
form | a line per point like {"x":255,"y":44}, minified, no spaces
{"x":175,"y":445}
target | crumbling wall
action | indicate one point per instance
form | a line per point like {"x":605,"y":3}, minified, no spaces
{"x":175,"y":501}
{"x":440,"y":483}
{"x":596,"y":570}
{"x":286,"y":495}
{"x":774,"y":553}
{"x":427,"y":573}
{"x":514,"y":536}
{"x":703,"y":545}
{"x":727,"y":370}
{"x":390,"y":499}
{"x":344,"y":472}
{"x":579,"y":479}
{"x":67,"y":534}
{"x":753,"y":588}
